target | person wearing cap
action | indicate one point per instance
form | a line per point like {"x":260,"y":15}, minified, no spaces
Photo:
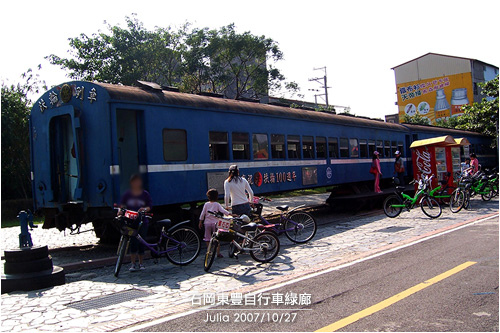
{"x":235,"y":191}
{"x":378,"y":172}
{"x":399,"y":168}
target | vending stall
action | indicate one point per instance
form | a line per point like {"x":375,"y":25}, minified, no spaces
{"x":440,"y":156}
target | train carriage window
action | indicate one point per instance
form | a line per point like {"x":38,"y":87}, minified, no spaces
{"x":293,"y":144}
{"x":380,"y":147}
{"x":400,"y":147}
{"x":333,"y":148}
{"x":344,"y":147}
{"x":277,"y":146}
{"x":308,"y":146}
{"x":363,"y":149}
{"x":371,"y":147}
{"x":353,"y":146}
{"x":241,"y":146}
{"x":260,"y":146}
{"x":394,"y":147}
{"x":219,"y":146}
{"x":174,"y":145}
{"x":320,"y":147}
{"x":387,"y":148}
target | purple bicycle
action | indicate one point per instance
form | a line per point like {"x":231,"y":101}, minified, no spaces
{"x":298,"y":226}
{"x":179,"y":243}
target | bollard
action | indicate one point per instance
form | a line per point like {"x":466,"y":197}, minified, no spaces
{"x":25,"y":220}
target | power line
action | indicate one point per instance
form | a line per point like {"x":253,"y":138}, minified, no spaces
{"x":324,"y":86}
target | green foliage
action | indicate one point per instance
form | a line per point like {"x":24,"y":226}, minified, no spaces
{"x":329,"y":109}
{"x":196,"y":60}
{"x":451,"y":122}
{"x":416,"y":119}
{"x":16,"y":182}
{"x":483,"y":117}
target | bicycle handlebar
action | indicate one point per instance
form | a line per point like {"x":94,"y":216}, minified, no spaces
{"x":140,"y":212}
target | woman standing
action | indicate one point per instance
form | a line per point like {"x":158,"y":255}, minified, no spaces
{"x":377,"y":172}
{"x":235,"y":188}
{"x":139,"y":200}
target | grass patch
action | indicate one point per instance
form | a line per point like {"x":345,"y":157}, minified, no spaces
{"x":309,"y":191}
{"x":7,"y":223}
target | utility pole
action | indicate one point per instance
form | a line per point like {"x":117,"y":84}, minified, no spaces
{"x":325,"y":86}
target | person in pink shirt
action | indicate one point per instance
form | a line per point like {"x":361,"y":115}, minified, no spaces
{"x":209,"y":220}
{"x":376,"y":165}
{"x":474,"y":163}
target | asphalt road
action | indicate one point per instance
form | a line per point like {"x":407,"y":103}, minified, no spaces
{"x":462,"y":300}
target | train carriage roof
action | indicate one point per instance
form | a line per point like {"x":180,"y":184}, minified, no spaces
{"x":136,"y":94}
{"x":441,"y":130}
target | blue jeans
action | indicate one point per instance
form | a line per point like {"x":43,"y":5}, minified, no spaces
{"x":137,"y":247}
{"x":242,"y":209}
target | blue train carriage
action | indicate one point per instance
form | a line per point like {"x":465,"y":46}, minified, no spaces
{"x":87,"y":139}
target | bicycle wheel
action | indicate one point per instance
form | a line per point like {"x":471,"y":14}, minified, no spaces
{"x":430,"y":207}
{"x":300,"y":227}
{"x":467,"y":200}
{"x":389,"y":208}
{"x":211,"y":253}
{"x":187,"y":246}
{"x":266,"y":245}
{"x":457,"y":200}
{"x":122,"y":251}
{"x":489,"y":193}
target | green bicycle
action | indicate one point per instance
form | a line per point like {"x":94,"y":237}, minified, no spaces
{"x":394,"y":204}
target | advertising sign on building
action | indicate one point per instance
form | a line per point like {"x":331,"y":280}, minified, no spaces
{"x":435,"y":98}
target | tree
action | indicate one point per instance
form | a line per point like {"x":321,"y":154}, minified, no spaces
{"x":125,"y":55}
{"x":197,"y":60}
{"x":483,"y":117}
{"x":416,"y":119}
{"x":16,"y":105}
{"x":451,"y":122}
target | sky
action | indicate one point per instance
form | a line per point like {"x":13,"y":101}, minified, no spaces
{"x":358,"y":41}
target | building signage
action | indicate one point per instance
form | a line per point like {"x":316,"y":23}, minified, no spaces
{"x":435,"y":98}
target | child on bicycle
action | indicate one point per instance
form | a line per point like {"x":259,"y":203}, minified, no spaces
{"x":209,"y":220}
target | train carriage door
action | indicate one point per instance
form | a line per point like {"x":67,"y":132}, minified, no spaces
{"x":64,"y":159}
{"x":128,"y":147}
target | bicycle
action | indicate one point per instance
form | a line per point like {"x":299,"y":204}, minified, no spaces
{"x":442,"y":192}
{"x":179,"y":243}
{"x":394,"y":204}
{"x":262,"y":246}
{"x":299,"y":227}
{"x":470,"y":185}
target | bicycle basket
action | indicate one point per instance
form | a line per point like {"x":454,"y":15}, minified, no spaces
{"x":225,"y":235}
{"x":129,"y":227}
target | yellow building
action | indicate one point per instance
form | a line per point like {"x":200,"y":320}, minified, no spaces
{"x":436,"y":86}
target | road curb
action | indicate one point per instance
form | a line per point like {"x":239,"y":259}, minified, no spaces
{"x":187,"y":306}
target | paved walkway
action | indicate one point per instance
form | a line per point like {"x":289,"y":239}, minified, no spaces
{"x":171,"y":288}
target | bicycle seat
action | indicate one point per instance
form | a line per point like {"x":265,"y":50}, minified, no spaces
{"x":282,"y":208}
{"x":252,"y":226}
{"x":164,"y":223}
{"x":400,"y":188}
